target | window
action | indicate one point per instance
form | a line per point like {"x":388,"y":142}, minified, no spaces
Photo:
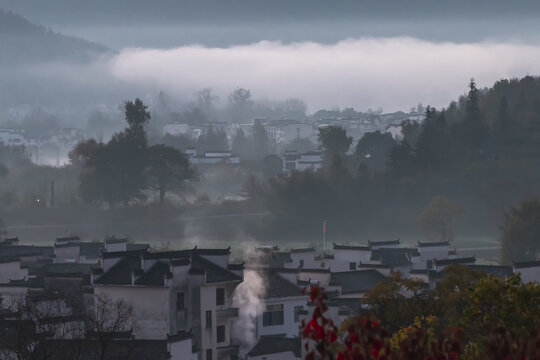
{"x":180,"y":304}
{"x":273,"y":315}
{"x":352,"y":266}
{"x":302,"y":263}
{"x":221,"y":333}
{"x":208,"y":354}
{"x":220,"y":296}
{"x":297,"y":311}
{"x":208,"y":319}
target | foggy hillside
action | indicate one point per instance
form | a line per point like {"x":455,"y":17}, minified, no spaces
{"x":23,"y":42}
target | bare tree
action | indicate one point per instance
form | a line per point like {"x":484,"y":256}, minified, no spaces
{"x":111,"y":317}
{"x":206,"y":100}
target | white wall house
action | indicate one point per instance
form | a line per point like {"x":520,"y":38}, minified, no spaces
{"x":176,"y":291}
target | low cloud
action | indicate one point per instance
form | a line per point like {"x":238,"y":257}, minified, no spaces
{"x":394,"y":73}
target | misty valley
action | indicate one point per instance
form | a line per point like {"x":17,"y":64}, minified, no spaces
{"x":220,"y":188}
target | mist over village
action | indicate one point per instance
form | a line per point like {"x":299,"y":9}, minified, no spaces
{"x":269,"y":180}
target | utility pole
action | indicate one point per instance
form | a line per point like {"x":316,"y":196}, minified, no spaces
{"x":324,"y":237}
{"x":52,"y":194}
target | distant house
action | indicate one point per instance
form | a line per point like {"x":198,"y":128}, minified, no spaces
{"x":176,"y":129}
{"x":213,"y":158}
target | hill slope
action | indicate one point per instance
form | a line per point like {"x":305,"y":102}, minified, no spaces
{"x":23,"y":42}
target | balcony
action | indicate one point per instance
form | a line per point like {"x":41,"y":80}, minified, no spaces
{"x":227,"y":313}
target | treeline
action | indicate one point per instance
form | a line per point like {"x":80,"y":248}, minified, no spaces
{"x":481,"y":152}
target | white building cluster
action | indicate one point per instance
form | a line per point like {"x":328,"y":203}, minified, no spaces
{"x":194,"y":303}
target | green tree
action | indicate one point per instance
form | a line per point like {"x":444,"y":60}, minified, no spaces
{"x":433,"y":146}
{"x":520,"y":232}
{"x":115,"y":172}
{"x":258,"y":142}
{"x":439,"y":217}
{"x":334,"y":141}
{"x":496,"y":303}
{"x":240,"y":144}
{"x":373,"y":149}
{"x":474,"y":131}
{"x":397,"y":301}
{"x":401,"y":159}
{"x":168,"y":169}
{"x":272,"y":165}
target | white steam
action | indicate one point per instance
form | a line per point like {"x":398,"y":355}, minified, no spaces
{"x":249,"y":299}
{"x":394,"y":73}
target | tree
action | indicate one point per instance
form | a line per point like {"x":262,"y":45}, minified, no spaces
{"x":495,"y":303}
{"x":474,"y":131}
{"x":114,"y":172}
{"x":520,"y":232}
{"x":240,"y":144}
{"x":212,"y":140}
{"x":439,"y":217}
{"x":432,"y":148}
{"x":168,"y":169}
{"x":240,"y":102}
{"x":110,"y":318}
{"x":258,"y":142}
{"x":373,"y":149}
{"x":334,"y":141}
{"x":206,"y":100}
{"x":272,"y":165}
{"x":397,"y":300}
{"x":401,"y":159}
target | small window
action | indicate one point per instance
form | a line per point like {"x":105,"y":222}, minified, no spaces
{"x":208,"y":354}
{"x":302,"y":263}
{"x":220,"y":296}
{"x":208,"y":319}
{"x":221,"y":333}
{"x":352,"y":266}
{"x":297,"y":311}
{"x":180,"y":302}
{"x":273,"y":315}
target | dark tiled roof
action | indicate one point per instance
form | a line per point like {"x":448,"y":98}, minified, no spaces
{"x":181,"y":335}
{"x":384,"y":243}
{"x":273,"y":345}
{"x":121,"y":254}
{"x":277,"y":286}
{"x":137,"y":247}
{"x":155,"y":275}
{"x":391,"y":256}
{"x":357,"y":281}
{"x":351,"y":247}
{"x":120,"y":273}
{"x":495,"y":270}
{"x":26,"y":250}
{"x":68,"y":238}
{"x":213,"y":272}
{"x":67,"y":269}
{"x":187,"y":252}
{"x":90,"y":249}
{"x":115,"y":241}
{"x":526,"y":264}
{"x":436,"y":243}
{"x":304,"y":250}
{"x":8,"y":259}
{"x":463,"y":260}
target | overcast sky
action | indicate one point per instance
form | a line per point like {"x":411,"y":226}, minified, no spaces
{"x":365,"y":54}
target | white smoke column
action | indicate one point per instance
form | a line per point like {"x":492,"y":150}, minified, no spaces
{"x":249,"y":299}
